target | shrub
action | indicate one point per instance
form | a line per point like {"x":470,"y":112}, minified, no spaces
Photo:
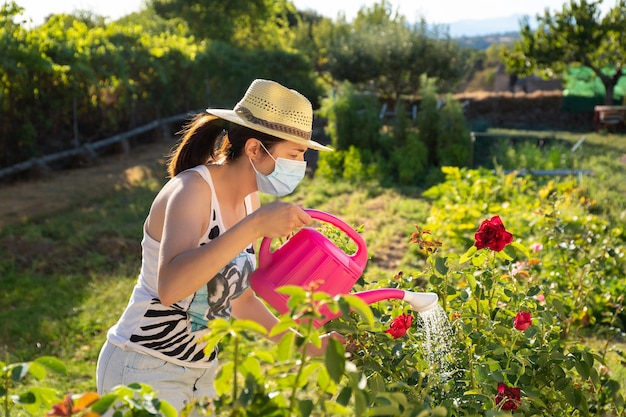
{"x":352,"y":119}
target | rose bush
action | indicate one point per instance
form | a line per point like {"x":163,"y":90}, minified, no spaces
{"x":518,"y":302}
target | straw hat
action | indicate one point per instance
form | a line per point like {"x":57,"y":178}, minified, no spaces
{"x":276,"y":110}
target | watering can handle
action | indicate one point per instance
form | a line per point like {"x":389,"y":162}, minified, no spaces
{"x":360,"y":256}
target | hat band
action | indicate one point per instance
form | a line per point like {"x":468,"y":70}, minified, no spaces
{"x":247,"y":114}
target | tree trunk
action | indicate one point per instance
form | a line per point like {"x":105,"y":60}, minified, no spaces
{"x":609,"y":85}
{"x":608,"y":95}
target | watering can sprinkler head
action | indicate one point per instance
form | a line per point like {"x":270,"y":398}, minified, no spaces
{"x":421,"y":301}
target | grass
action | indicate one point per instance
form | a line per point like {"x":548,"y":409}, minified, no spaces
{"x":67,"y":276}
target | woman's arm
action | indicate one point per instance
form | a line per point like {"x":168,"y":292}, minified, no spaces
{"x":183,"y":266}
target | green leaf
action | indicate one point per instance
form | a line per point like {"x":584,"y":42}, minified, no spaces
{"x":167,"y":409}
{"x":249,"y":325}
{"x":360,"y":307}
{"x":37,"y":370}
{"x":440,"y":265}
{"x":344,"y":396}
{"x":286,"y":346}
{"x":305,"y":407}
{"x":335,"y":360}
{"x":479,"y":258}
{"x":286,"y":324}
{"x":468,"y":254}
{"x":572,"y":396}
{"x":532,"y":291}
{"x":53,"y":364}
{"x":521,"y":248}
{"x":334,"y":408}
{"x":439,"y":412}
{"x":27,"y":397}
{"x":18,"y":372}
{"x":104,"y":403}
{"x":561,"y":383}
{"x":384,"y":410}
{"x":360,"y":403}
{"x":503,"y":255}
{"x":583,"y":369}
{"x":252,"y":366}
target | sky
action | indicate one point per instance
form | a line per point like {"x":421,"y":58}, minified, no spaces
{"x":434,"y":11}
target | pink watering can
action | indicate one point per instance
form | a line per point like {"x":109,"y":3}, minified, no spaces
{"x":309,"y":257}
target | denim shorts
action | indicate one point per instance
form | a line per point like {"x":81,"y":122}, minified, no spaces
{"x":176,"y":384}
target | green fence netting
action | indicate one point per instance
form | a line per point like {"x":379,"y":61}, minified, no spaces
{"x":583,"y":89}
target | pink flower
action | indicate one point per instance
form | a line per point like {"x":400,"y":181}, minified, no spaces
{"x":522,"y":320}
{"x":508,"y":398}
{"x":536,"y":247}
{"x":400,"y":325}
{"x":541,"y":298}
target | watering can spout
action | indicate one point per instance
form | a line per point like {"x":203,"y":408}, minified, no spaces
{"x":421,"y":301}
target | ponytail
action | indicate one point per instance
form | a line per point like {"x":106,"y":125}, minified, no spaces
{"x":197,"y":145}
{"x":202,"y":135}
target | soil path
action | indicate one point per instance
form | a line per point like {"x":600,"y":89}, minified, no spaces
{"x":24,"y":201}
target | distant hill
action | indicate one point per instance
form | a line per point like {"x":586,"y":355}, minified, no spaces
{"x":476,"y":27}
{"x":482,"y":42}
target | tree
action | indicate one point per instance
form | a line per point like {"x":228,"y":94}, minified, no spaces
{"x":576,"y":36}
{"x":244,"y":23}
{"x":383,"y":50}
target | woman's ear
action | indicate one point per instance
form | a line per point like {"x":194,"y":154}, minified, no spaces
{"x":253,"y":148}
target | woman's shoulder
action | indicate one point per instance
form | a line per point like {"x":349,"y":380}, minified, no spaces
{"x":187,"y":184}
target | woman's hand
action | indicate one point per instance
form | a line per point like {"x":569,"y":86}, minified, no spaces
{"x":313,"y":350}
{"x":280,"y":219}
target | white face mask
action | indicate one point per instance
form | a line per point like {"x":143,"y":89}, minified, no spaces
{"x":284,"y":179}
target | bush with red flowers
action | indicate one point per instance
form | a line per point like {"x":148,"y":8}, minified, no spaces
{"x":521,"y":271}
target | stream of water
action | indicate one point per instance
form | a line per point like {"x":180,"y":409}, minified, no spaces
{"x":437,"y":345}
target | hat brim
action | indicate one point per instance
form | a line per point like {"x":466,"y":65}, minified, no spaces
{"x":233,"y":117}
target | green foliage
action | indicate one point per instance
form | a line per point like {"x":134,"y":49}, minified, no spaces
{"x":409,"y":160}
{"x":35,"y":398}
{"x":572,"y":287}
{"x":247,"y":24}
{"x":90,"y":78}
{"x":453,"y":136}
{"x":576,"y":35}
{"x":385,"y":50}
{"x":376,"y":374}
{"x":400,"y":154}
{"x":347,"y":165}
{"x":557,"y":214}
{"x":352,"y":119}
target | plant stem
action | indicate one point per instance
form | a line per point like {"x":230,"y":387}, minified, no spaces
{"x":292,"y":401}
{"x":235,"y":363}
{"x":479,"y":289}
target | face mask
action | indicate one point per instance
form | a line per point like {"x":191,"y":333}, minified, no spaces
{"x":283,"y":180}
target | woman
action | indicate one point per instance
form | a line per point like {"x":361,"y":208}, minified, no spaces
{"x":198,"y":241}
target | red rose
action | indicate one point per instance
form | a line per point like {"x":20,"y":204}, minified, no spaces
{"x":522,"y":320}
{"x":492,"y":234}
{"x":508,"y":398}
{"x":400,"y":325}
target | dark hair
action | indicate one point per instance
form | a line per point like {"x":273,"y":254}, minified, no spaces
{"x":207,"y":138}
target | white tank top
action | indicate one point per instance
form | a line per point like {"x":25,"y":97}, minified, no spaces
{"x":175,"y":333}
